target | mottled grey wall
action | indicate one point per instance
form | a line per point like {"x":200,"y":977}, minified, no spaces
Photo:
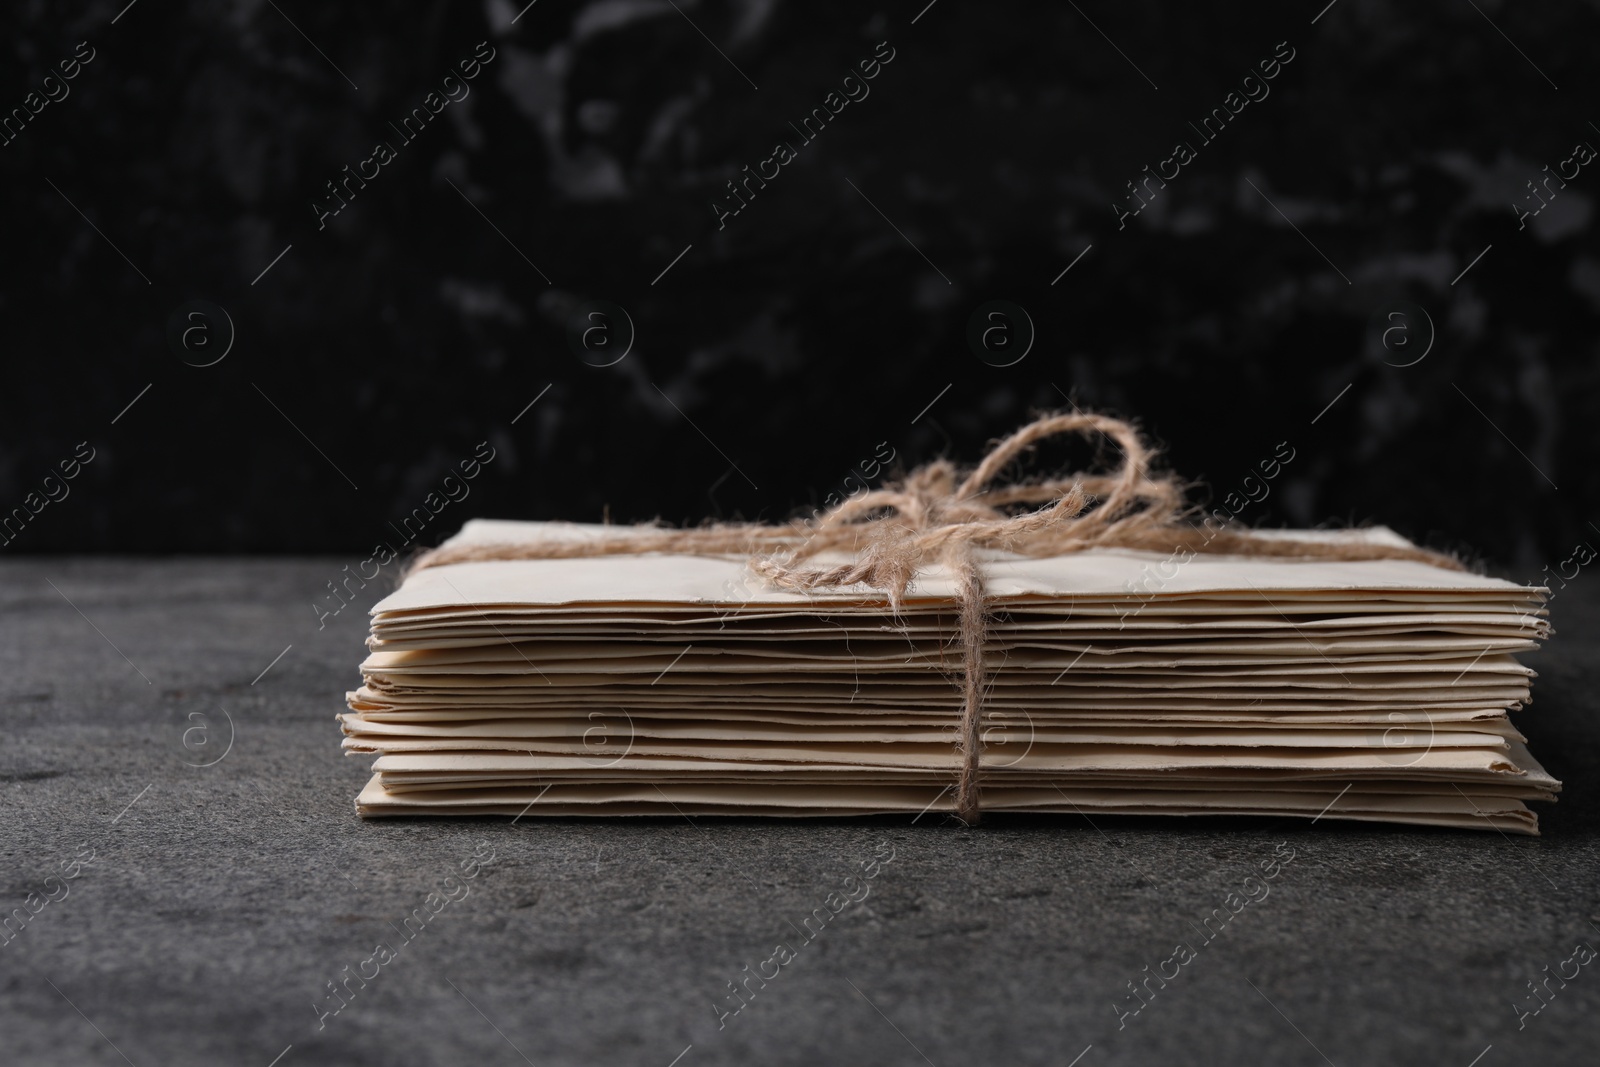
{"x":797,"y":338}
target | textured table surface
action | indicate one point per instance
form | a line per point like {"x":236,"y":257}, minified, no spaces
{"x":221,"y":900}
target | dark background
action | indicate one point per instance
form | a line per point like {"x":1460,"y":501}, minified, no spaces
{"x":777,"y":354}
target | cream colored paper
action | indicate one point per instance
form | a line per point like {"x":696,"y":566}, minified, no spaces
{"x":1117,"y":682}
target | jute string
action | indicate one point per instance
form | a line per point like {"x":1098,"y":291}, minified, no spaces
{"x":937,"y":516}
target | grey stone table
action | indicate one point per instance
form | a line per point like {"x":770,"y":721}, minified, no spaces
{"x":218,"y":902}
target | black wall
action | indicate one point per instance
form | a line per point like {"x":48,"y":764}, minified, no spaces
{"x":786,"y":344}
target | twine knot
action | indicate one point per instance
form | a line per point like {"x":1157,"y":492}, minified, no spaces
{"x":932,"y":517}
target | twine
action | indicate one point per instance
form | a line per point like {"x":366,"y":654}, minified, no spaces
{"x":937,"y":516}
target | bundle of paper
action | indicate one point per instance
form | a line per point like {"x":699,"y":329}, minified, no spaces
{"x":1115,"y":681}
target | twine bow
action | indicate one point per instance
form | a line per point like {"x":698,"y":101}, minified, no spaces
{"x":936,"y":516}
